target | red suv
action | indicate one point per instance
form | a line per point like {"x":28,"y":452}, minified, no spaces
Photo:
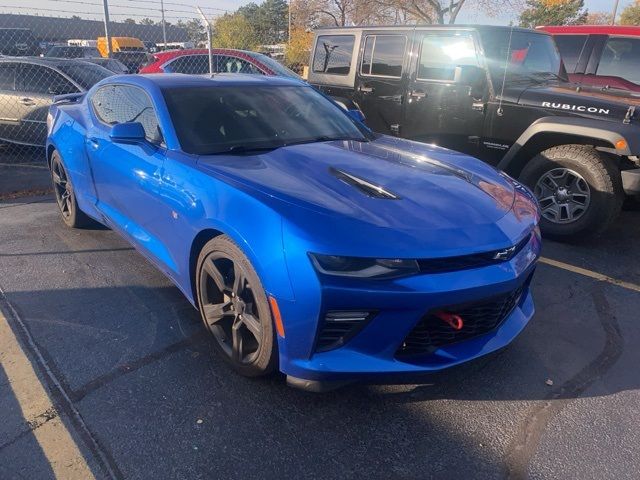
{"x":600,"y":55}
{"x":196,"y":61}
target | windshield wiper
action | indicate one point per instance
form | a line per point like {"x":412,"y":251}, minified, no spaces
{"x":325,"y":138}
{"x":239,"y":149}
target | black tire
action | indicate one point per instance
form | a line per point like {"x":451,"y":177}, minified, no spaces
{"x":601,"y":179}
{"x":70,"y":213}
{"x":232,"y":308}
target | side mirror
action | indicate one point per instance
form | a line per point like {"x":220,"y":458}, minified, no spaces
{"x":356,"y":114}
{"x":470,"y":75}
{"x":473,"y":77}
{"x":129,"y":132}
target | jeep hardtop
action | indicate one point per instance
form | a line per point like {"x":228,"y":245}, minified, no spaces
{"x":500,"y":94}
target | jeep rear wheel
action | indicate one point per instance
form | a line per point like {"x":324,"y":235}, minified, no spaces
{"x":578,"y":188}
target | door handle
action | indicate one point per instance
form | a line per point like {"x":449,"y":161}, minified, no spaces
{"x":27,"y":101}
{"x":363,"y":89}
{"x":417,"y":94}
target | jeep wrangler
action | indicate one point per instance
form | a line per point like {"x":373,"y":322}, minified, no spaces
{"x":500,"y":94}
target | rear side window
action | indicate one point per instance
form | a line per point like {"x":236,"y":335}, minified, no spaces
{"x":333,"y":54}
{"x":383,"y":55}
{"x":114,"y":104}
{"x":571,"y":47}
{"x":621,"y":58}
{"x":43,"y":80}
{"x":440,"y":54}
{"x":7,"y":76}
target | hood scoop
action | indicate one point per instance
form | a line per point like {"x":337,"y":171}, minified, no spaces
{"x":366,"y":187}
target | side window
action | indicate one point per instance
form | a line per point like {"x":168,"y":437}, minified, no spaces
{"x":124,"y":103}
{"x":229,"y":64}
{"x":7,"y":76}
{"x":192,"y":64}
{"x":333,"y":54}
{"x":440,"y":54}
{"x":43,"y":80}
{"x":383,"y":55}
{"x":620,"y":58}
{"x":571,"y":47}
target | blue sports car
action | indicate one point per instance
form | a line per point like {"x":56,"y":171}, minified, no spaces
{"x":308,"y":243}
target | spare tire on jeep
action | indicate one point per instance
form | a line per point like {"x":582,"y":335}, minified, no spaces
{"x":579,"y":190}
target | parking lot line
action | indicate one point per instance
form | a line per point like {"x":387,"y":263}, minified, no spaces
{"x":591,"y":274}
{"x":57,"y":444}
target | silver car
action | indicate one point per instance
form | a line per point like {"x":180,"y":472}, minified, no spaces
{"x":27,"y":88}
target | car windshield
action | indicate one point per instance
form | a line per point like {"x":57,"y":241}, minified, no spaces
{"x":524,"y":55}
{"x":85,"y":74}
{"x":274,"y":65}
{"x":237,"y":119}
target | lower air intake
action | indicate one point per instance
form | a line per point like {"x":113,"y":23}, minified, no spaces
{"x":432,"y":332}
{"x":339,"y":326}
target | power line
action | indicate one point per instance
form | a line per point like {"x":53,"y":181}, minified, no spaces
{"x":75,"y":12}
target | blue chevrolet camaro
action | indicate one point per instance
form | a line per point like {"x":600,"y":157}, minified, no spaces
{"x":308,"y":243}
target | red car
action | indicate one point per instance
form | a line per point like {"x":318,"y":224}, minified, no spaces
{"x":606,"y":56}
{"x":196,"y":61}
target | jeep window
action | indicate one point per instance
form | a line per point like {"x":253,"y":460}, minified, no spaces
{"x":333,"y":54}
{"x":532,"y":56}
{"x":440,"y":54}
{"x":571,"y":47}
{"x":383,"y":55}
{"x":620,"y":58}
{"x":7,"y":76}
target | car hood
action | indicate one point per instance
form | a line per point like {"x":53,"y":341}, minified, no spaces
{"x":585,"y":101}
{"x":384,"y":187}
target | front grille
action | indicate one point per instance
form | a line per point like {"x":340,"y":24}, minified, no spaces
{"x":475,"y":260}
{"x":432,"y":332}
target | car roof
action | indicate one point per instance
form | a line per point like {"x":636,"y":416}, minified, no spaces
{"x":594,"y":29}
{"x":46,"y":61}
{"x":431,"y":27}
{"x":178,"y":80}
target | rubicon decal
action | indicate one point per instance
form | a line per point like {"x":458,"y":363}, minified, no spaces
{"x":577,"y":108}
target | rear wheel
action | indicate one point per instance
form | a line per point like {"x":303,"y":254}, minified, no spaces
{"x":71,"y":214}
{"x":234,"y":308}
{"x":579,"y":190}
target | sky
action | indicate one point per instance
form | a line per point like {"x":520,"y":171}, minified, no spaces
{"x":185,"y":9}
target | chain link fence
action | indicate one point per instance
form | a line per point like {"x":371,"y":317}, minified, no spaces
{"x":57,"y":47}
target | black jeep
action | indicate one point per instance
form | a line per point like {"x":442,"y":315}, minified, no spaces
{"x":500,"y":94}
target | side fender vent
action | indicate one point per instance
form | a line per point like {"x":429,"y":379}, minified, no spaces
{"x":366,"y":187}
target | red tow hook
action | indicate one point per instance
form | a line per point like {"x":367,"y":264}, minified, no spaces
{"x":455,"y":321}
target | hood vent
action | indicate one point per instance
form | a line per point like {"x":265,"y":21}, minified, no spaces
{"x":366,"y":187}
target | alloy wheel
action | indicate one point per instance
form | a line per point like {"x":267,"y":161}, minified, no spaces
{"x":62,"y":188}
{"x":229,"y":308}
{"x":563,"y":194}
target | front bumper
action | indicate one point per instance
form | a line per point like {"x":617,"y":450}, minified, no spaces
{"x":372,"y":354}
{"x":631,"y":181}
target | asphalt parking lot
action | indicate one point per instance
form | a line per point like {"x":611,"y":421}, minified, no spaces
{"x":129,"y":376}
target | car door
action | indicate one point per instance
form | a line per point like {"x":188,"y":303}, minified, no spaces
{"x":442,"y":106}
{"x":380,"y":81}
{"x":36,"y":86}
{"x":128,"y":176}
{"x":9,"y":102}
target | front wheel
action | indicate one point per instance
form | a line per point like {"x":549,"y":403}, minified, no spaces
{"x":578,"y":189}
{"x":234,"y":308}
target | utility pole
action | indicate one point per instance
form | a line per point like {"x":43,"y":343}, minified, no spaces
{"x":615,"y":12}
{"x":289,"y":27}
{"x":164,"y":28}
{"x":107,"y":37}
{"x":207,"y":25}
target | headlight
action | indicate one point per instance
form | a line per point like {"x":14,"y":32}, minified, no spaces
{"x":49,"y":122}
{"x":364,"y":267}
